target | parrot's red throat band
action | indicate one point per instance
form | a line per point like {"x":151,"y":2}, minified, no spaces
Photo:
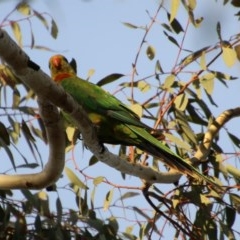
{"x":62,"y":76}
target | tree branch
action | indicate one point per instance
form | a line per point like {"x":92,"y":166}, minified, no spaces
{"x":45,"y":88}
{"x":212,"y":131}
{"x":53,"y":169}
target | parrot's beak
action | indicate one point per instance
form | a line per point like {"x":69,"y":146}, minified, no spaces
{"x":56,"y":62}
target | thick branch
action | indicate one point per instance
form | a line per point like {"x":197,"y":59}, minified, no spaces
{"x":55,"y":165}
{"x":212,"y":131}
{"x":45,"y":88}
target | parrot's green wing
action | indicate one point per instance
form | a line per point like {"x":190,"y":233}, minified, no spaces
{"x":95,"y":99}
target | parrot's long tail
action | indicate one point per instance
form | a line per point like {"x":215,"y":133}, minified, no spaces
{"x":178,"y":163}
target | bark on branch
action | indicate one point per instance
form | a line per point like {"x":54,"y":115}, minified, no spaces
{"x":54,"y":167}
{"x":211,"y":133}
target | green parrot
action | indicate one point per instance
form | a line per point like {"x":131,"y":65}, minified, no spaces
{"x":114,"y":121}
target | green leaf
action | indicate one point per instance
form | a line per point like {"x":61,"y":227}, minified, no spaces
{"x":158,"y":67}
{"x":54,"y":29}
{"x":197,"y":87}
{"x":74,"y":179}
{"x":129,"y":195}
{"x":41,"y":18}
{"x":130,"y":25}
{"x":207,"y":82}
{"x":108,"y":199}
{"x":171,"y":39}
{"x":186,"y":131}
{"x":30,"y":197}
{"x":235,"y":3}
{"x":26,"y":131}
{"x":181,"y":102}
{"x":29,"y":138}
{"x":219,"y":31}
{"x":234,"y":139}
{"x":193,"y":56}
{"x":9,"y":153}
{"x":223,"y":76}
{"x":235,"y":201}
{"x":141,"y":212}
{"x":150,"y":52}
{"x":16,"y":98}
{"x":237,"y":50}
{"x":24,"y":8}
{"x":59,"y":210}
{"x":176,"y":26}
{"x":230,"y":216}
{"x":229,"y":55}
{"x":28,"y":165}
{"x":109,"y":79}
{"x":174,"y":9}
{"x":4,"y":135}
{"x":17,"y":32}
{"x":93,"y":160}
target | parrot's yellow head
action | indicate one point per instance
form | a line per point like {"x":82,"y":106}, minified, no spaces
{"x":60,"y":68}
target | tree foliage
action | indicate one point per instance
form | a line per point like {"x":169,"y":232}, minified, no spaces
{"x":178,"y":102}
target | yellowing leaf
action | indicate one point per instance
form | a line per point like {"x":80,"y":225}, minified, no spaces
{"x":129,"y":229}
{"x":143,"y":86}
{"x":192,"y":4}
{"x":181,"y":102}
{"x":203,"y":61}
{"x":137,"y":108}
{"x":168,"y":82}
{"x":70,"y":133}
{"x":17,"y":32}
{"x":174,"y":9}
{"x":42,"y":195}
{"x":233,"y":171}
{"x":179,"y":142}
{"x":98,"y":180}
{"x":229,"y":56}
{"x":108,"y":200}
{"x":150,"y":52}
{"x":90,"y":73}
{"x":24,"y":8}
{"x":205,"y":200}
{"x":207,"y":82}
{"x":74,"y":179}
